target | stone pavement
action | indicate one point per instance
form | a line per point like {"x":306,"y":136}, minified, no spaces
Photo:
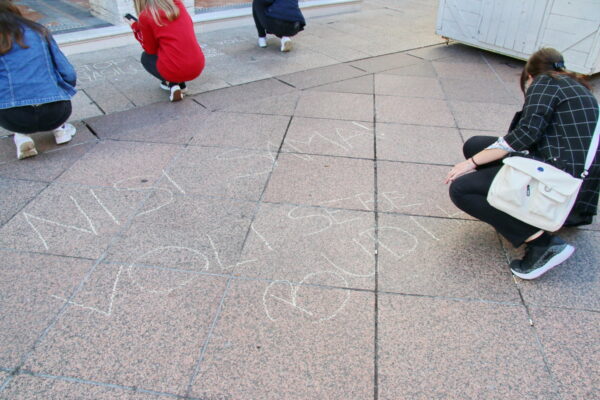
{"x":284,"y":232}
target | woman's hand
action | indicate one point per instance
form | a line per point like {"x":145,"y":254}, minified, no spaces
{"x":459,"y":169}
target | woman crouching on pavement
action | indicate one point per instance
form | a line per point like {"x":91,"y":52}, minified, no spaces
{"x":556,"y":126}
{"x":171,"y":52}
{"x":36,"y":81}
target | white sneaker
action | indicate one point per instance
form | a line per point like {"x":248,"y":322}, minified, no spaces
{"x":262,"y":42}
{"x":176,"y":93}
{"x":64,"y":134}
{"x":286,"y":44}
{"x":164,"y":85}
{"x":25,"y":146}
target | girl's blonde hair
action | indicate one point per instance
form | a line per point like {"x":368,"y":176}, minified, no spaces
{"x":155,"y":6}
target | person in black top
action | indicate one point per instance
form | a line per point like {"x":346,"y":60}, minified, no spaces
{"x":556,"y":126}
{"x":281,"y":18}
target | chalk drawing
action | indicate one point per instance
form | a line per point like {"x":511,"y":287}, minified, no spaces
{"x":104,"y":207}
{"x":223,"y":268}
{"x":293,"y":299}
{"x":267,"y":245}
{"x":29,"y":217}
{"x":423,"y":228}
{"x":162,"y":249}
{"x":326,"y":217}
{"x":106,"y":69}
{"x":111,"y":298}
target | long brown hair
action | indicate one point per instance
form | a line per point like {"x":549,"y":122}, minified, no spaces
{"x":549,"y":61}
{"x":11,"y":26}
{"x":155,"y":6}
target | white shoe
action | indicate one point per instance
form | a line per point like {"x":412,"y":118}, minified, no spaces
{"x":286,"y":44}
{"x":64,"y":134}
{"x":262,"y":42}
{"x":176,"y":93}
{"x":164,"y":85}
{"x":25,"y":146}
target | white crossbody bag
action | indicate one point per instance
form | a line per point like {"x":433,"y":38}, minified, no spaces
{"x":537,"y":193}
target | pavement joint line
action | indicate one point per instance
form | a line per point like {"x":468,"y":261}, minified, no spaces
{"x":376,"y":255}
{"x":45,"y":253}
{"x":196,"y":368}
{"x":6,"y":382}
{"x":551,"y":307}
{"x":101,"y":384}
{"x":502,"y":83}
{"x":25,"y":204}
{"x":94,"y":102}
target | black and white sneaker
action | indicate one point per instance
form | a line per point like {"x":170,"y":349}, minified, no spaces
{"x":540,"y":259}
{"x":176,"y":93}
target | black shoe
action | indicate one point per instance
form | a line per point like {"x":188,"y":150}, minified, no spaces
{"x":540,"y":259}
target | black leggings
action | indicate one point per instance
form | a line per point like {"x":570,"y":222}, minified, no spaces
{"x":270,"y":25}
{"x":38,"y":118}
{"x":469,"y":193}
{"x":149,"y":63}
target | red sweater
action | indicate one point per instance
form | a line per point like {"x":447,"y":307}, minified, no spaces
{"x":180,"y":57}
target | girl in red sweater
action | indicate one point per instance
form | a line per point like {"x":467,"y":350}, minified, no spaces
{"x":171,"y":51}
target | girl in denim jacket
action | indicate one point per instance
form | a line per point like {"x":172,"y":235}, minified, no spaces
{"x":36,"y":81}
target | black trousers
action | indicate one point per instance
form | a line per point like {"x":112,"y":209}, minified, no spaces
{"x":270,"y":25}
{"x":469,"y":193}
{"x":31,"y":119}
{"x":149,"y":63}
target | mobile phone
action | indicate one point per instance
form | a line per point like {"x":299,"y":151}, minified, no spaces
{"x":130,"y":17}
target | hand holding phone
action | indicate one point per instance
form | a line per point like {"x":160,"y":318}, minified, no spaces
{"x":130,"y":17}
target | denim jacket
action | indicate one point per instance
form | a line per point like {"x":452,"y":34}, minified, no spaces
{"x":38,"y":74}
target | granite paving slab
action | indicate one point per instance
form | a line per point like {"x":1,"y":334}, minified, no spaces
{"x":416,"y":111}
{"x":423,"y":144}
{"x":346,"y":106}
{"x":322,"y":181}
{"x":435,"y":348}
{"x":108,"y":97}
{"x":573,"y":284}
{"x":284,"y":104}
{"x":219,"y":99}
{"x":469,"y":71}
{"x":121,"y":329}
{"x":321,"y":76}
{"x":385,"y":62}
{"x":487,"y":91}
{"x":44,"y":167}
{"x":98,"y":167}
{"x":415,"y":189}
{"x":248,"y":131}
{"x":571,"y":344}
{"x":329,"y":137}
{"x":33,"y":287}
{"x":451,"y":53}
{"x":329,"y":247}
{"x":160,"y":123}
{"x":26,"y":387}
{"x":443,"y":257}
{"x":83,"y":107}
{"x":420,"y":68}
{"x":15,"y":194}
{"x":408,"y":86}
{"x":483,"y":116}
{"x":230,"y":173}
{"x":360,"y":85}
{"x":274,"y":340}
{"x":208,"y":233}
{"x":75,"y":221}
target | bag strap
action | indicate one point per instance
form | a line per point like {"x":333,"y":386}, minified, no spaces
{"x":592,"y":151}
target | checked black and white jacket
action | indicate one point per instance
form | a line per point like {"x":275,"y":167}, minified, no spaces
{"x":556,"y":126}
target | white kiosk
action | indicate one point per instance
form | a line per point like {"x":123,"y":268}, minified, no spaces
{"x":518,"y":28}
